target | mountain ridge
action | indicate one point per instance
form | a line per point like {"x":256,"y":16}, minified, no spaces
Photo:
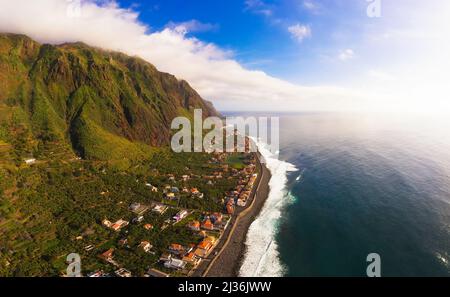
{"x":102,"y":104}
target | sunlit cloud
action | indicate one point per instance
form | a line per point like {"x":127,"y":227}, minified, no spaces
{"x":192,"y":26}
{"x":346,"y":54}
{"x":299,"y":32}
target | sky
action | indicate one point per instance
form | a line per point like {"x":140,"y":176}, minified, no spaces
{"x":268,"y":55}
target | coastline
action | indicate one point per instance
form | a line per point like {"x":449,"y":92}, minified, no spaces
{"x":231,"y":250}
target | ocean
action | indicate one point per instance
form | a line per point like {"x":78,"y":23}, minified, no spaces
{"x":348,"y":185}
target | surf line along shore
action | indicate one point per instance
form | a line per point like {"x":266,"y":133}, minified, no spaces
{"x":226,"y":260}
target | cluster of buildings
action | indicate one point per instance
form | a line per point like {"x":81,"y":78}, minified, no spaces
{"x":242,"y":192}
{"x":245,"y":189}
{"x":117,"y":226}
{"x":108,"y":256}
{"x":178,"y":257}
{"x":173,"y":193}
{"x":212,"y":222}
{"x":209,"y":226}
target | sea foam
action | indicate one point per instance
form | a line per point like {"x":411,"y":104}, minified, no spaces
{"x":262,"y":258}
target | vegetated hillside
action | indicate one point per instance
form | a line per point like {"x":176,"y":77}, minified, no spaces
{"x":102,"y":105}
{"x":59,"y":102}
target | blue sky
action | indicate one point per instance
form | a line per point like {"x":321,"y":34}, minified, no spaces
{"x":257,"y":31}
{"x":283,"y":55}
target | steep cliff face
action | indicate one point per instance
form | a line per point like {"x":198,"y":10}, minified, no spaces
{"x":103,"y":104}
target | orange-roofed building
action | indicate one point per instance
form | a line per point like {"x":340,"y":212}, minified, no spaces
{"x":217,"y":217}
{"x":208,"y":225}
{"x":108,"y":254}
{"x":203,"y":248}
{"x":200,"y":253}
{"x":230,"y":208}
{"x":205,"y":244}
{"x":148,"y":226}
{"x":191,"y":258}
{"x":176,"y":248}
{"x":119,"y":225}
{"x":194,"y":225}
{"x":146,"y":246}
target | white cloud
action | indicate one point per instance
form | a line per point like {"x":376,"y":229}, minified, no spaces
{"x":299,"y":32}
{"x":381,"y":75}
{"x":259,"y":7}
{"x":346,"y":54}
{"x":192,"y":26}
{"x":209,"y":69}
{"x":309,"y":4}
{"x":312,"y":6}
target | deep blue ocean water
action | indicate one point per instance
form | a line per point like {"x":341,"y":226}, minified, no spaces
{"x":366,"y":184}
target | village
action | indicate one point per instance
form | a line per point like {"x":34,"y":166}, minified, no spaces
{"x":204,"y":229}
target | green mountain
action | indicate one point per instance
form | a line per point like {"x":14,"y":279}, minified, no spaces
{"x":115,"y":111}
{"x":98,"y":104}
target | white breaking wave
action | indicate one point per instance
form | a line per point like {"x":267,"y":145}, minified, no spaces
{"x":300,"y":175}
{"x":262,"y":258}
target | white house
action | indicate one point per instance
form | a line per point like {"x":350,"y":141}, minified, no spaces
{"x":175,"y":264}
{"x":30,"y":161}
{"x":146,"y":246}
{"x":122,"y":272}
